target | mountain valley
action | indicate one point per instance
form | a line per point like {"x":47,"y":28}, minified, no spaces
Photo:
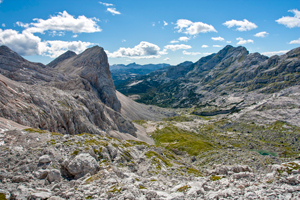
{"x":224,"y":127}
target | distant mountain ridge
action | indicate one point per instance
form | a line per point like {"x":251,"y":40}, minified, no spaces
{"x":230,"y":73}
{"x":121,"y":73}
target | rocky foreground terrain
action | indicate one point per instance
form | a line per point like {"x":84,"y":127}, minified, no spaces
{"x":66,"y":133}
{"x":37,"y":164}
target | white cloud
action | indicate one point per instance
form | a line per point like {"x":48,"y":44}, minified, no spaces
{"x":191,"y":53}
{"x":217,"y":46}
{"x":242,"y":41}
{"x":62,"y":22}
{"x":261,"y":34}
{"x":204,"y":46}
{"x":106,"y":4}
{"x":290,"y":22}
{"x":142,"y":50}
{"x":1,"y":1}
{"x":207,"y":54}
{"x":165,"y":23}
{"x":74,"y":36}
{"x":3,"y":25}
{"x":174,"y":41}
{"x":295,"y":41}
{"x":167,"y":59}
{"x":123,"y":40}
{"x":153,"y":23}
{"x":193,"y":28}
{"x":175,"y":47}
{"x":55,"y":48}
{"x":113,"y":11}
{"x":185,"y":39}
{"x":56,"y":33}
{"x":228,"y":42}
{"x":241,"y":25}
{"x":272,"y":53}
{"x":27,"y":44}
{"x":217,"y":38}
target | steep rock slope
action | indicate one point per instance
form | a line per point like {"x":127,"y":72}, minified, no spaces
{"x":93,"y":66}
{"x":79,"y":99}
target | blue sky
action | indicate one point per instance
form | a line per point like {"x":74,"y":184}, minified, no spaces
{"x":156,"y":31}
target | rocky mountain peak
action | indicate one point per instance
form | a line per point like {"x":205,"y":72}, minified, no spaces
{"x":61,"y":58}
{"x":7,"y":52}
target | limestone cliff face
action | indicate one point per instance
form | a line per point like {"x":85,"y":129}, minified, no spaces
{"x":75,"y":94}
{"x":93,"y":66}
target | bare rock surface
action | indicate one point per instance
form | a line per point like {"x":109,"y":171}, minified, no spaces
{"x":98,"y":167}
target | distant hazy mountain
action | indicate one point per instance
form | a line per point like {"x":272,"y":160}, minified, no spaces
{"x":121,"y":73}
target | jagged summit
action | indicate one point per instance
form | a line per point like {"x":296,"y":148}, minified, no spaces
{"x":5,"y":51}
{"x":61,"y":58}
{"x":92,"y":65}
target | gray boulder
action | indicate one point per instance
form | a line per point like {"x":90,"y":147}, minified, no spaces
{"x":81,"y":165}
{"x":44,"y":159}
{"x":54,"y":175}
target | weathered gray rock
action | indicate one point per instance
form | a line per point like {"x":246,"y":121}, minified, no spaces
{"x":44,"y":159}
{"x":54,"y":176}
{"x":81,"y":165}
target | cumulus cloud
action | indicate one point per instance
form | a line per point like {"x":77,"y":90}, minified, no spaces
{"x":261,"y":34}
{"x":272,"y":53}
{"x":185,"y":39}
{"x":62,"y":22}
{"x":228,"y":42}
{"x":142,"y":50}
{"x":241,"y":25}
{"x":295,"y":41}
{"x":218,"y":38}
{"x":1,"y":1}
{"x":165,"y":23}
{"x":113,"y":11}
{"x":217,"y":46}
{"x":290,"y":22}
{"x":174,"y":41}
{"x":191,"y":53}
{"x":204,"y":46}
{"x":55,"y":48}
{"x":175,"y":47}
{"x":242,"y":41}
{"x":193,"y":28}
{"x":123,"y":40}
{"x":167,"y":59}
{"x":106,"y":4}
{"x":3,"y":25}
{"x":27,"y":44}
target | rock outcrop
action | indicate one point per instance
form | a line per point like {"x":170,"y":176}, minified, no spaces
{"x":73,"y":96}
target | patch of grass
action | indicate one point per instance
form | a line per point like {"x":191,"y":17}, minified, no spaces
{"x":150,"y":154}
{"x":2,"y":196}
{"x":95,"y":142}
{"x":216,"y":177}
{"x":54,"y":133}
{"x":115,"y":189}
{"x":174,"y":138}
{"x":94,"y":178}
{"x":180,"y":118}
{"x":89,"y":197}
{"x":140,"y":122}
{"x":194,"y":171}
{"x":35,"y":130}
{"x":142,"y":187}
{"x":75,"y":153}
{"x":183,"y":188}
